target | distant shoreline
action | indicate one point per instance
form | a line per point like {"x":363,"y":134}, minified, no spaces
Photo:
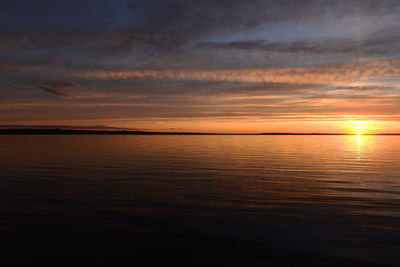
{"x":126,"y":132}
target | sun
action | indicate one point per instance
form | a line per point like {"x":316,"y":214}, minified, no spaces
{"x":359,"y":127}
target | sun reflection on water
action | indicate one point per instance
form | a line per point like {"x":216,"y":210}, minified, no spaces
{"x":360,"y":145}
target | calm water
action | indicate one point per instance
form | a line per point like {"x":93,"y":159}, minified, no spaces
{"x":232,"y":200}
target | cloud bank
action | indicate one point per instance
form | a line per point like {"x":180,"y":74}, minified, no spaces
{"x":199,"y":64}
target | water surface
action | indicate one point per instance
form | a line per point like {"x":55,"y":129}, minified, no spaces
{"x":232,"y":200}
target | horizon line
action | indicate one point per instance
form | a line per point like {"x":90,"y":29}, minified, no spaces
{"x":60,"y":131}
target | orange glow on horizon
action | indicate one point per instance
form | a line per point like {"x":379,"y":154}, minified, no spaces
{"x":361,"y":127}
{"x":352,"y":124}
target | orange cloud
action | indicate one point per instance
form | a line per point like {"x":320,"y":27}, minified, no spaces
{"x":328,"y":74}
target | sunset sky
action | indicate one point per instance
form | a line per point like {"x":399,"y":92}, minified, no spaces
{"x":233,"y":66}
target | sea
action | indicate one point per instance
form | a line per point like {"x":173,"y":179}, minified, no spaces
{"x":200,"y":200}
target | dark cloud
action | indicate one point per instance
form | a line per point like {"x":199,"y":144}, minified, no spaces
{"x":57,"y":87}
{"x":325,"y":45}
{"x":159,"y":33}
{"x":99,"y":23}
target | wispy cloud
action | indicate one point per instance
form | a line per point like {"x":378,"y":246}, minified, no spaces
{"x":340,"y":73}
{"x":57,"y":87}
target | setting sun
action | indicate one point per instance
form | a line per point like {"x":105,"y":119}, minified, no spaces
{"x":360,"y":127}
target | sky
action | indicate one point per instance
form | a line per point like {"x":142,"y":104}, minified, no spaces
{"x":223,"y":66}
